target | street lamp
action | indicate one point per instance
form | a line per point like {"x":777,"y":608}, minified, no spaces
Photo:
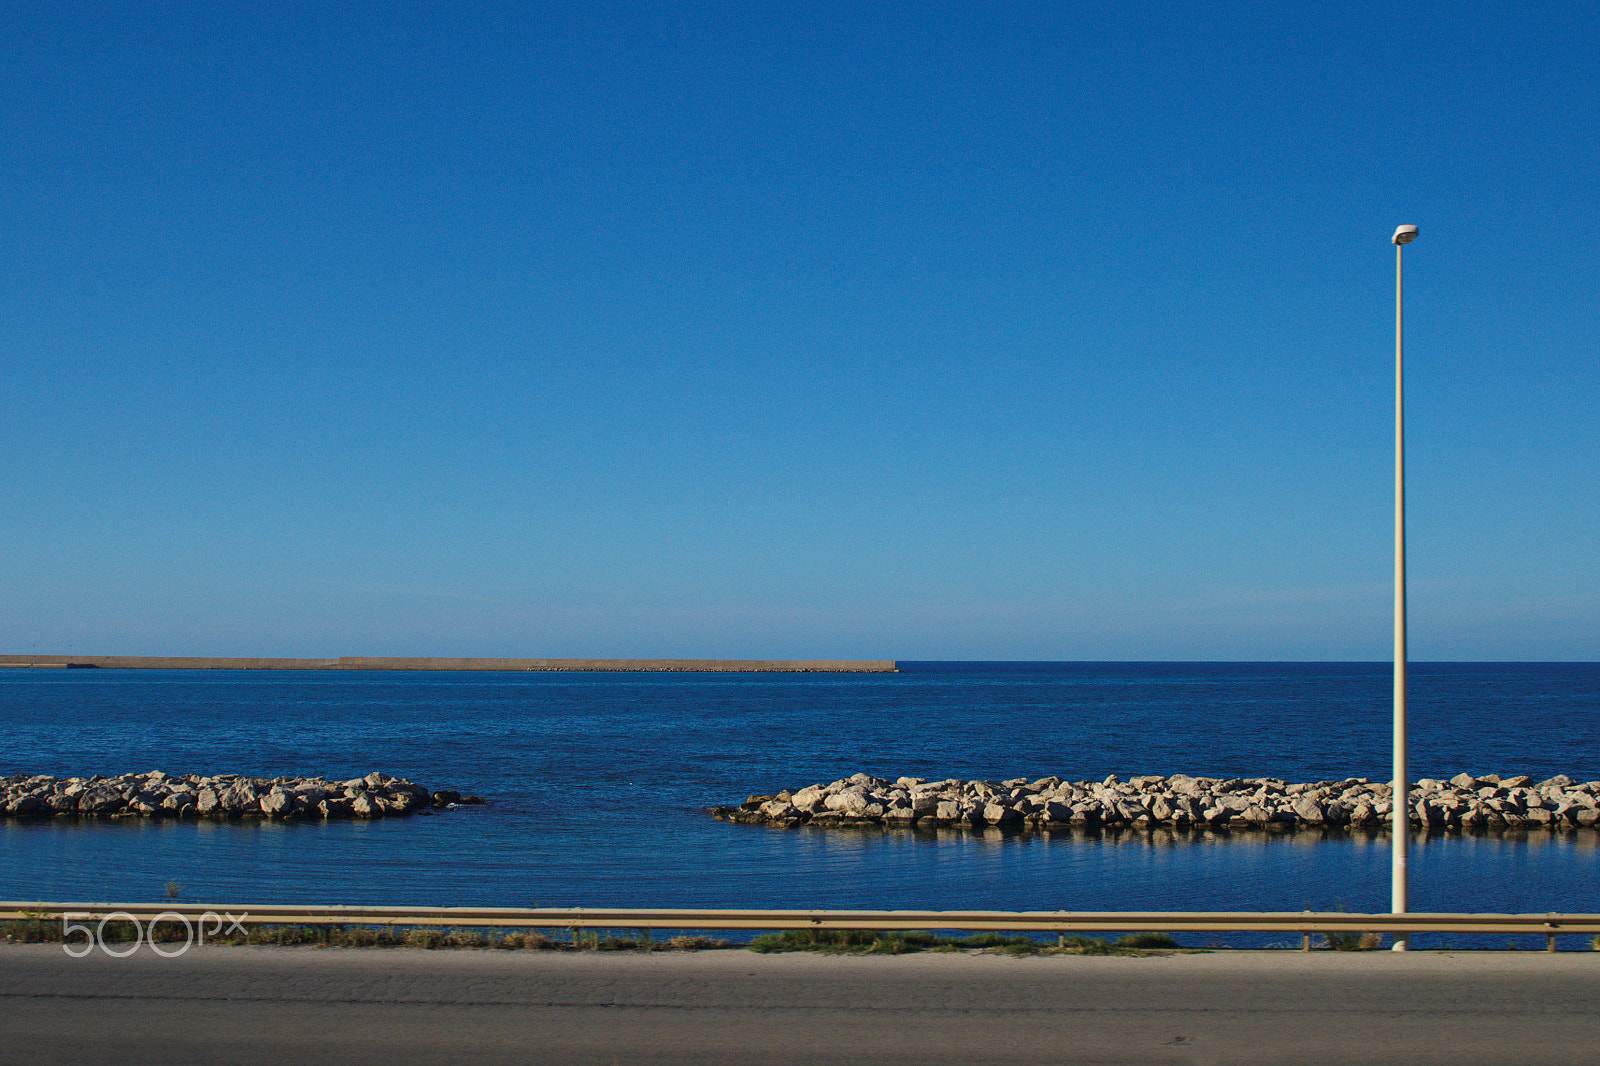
{"x":1400,"y":812}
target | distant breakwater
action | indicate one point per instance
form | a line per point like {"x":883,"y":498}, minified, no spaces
{"x":1464,"y":802}
{"x":381,"y":662}
{"x":228,"y":797}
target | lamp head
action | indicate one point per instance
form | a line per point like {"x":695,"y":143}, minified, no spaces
{"x":1405,"y":234}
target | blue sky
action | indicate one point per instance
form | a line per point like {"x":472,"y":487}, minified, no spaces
{"x":864,"y":330}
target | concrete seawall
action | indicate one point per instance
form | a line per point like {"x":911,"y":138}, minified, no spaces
{"x":377,"y":662}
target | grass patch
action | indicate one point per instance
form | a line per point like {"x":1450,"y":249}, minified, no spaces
{"x":36,"y":928}
{"x":1351,"y":941}
{"x":1155,"y":941}
{"x":40,"y":929}
{"x":835,"y":940}
{"x":609,"y":940}
{"x":872,"y":942}
{"x":1354,"y":941}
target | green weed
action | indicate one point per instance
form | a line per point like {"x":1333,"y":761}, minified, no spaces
{"x":1147,"y":941}
{"x":870,"y":942}
{"x":1352,"y":941}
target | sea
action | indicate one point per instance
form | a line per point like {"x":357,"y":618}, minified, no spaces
{"x":597,"y":785}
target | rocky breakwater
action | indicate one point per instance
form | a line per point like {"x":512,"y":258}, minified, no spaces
{"x":222,"y":796}
{"x":1464,"y":802}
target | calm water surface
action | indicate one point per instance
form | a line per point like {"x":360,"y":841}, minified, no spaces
{"x":598,"y":783}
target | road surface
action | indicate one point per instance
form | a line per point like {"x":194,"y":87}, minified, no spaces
{"x":359,"y":1006}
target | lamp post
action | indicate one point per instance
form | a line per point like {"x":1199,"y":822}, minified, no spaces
{"x":1400,"y":812}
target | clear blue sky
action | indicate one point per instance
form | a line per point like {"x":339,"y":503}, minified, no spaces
{"x":990,"y":330}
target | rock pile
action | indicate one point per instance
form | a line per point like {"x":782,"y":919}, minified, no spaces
{"x":1489,"y":801}
{"x":223,"y":796}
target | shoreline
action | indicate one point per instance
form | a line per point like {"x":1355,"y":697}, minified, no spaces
{"x":382,"y":662}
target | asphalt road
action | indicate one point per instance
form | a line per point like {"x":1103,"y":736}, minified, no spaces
{"x":294,"y":1006}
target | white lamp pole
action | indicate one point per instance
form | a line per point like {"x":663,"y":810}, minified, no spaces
{"x":1400,"y":826}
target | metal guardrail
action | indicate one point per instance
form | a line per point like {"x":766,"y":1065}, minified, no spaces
{"x":1305,"y":923}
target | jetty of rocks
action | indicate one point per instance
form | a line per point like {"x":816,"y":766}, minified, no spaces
{"x":1464,"y":802}
{"x":221,"y":796}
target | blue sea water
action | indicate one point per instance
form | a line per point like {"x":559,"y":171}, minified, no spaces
{"x":597,"y":783}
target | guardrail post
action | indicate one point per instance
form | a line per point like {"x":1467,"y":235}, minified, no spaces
{"x":1305,"y":941}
